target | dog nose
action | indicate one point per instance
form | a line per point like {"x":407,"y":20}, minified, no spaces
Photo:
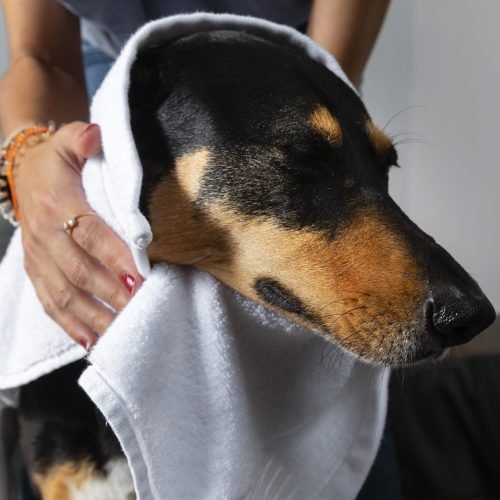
{"x":456,"y":318}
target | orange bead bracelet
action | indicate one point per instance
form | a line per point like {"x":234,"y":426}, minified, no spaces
{"x":11,"y":150}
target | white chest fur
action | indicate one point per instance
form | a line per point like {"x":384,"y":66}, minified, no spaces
{"x":117,"y":485}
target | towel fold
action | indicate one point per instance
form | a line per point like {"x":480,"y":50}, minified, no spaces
{"x":210,"y":395}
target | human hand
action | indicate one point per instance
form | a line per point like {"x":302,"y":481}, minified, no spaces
{"x":69,"y":272}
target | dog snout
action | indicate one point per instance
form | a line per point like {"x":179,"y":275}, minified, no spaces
{"x":454,"y":317}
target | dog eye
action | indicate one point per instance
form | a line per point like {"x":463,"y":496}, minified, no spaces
{"x":275,"y":294}
{"x":392,"y":158}
{"x":389,"y":160}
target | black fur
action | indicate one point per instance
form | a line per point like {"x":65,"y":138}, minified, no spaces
{"x":268,"y":160}
{"x":248,"y":100}
{"x":60,"y":424}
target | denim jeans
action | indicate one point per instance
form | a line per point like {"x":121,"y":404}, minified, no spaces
{"x":96,"y":65}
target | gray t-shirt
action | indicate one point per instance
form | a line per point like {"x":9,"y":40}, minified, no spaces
{"x":108,"y":24}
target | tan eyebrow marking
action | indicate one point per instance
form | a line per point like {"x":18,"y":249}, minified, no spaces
{"x":380,"y":141}
{"x":183,"y":234}
{"x":190,"y":168}
{"x":326,"y":125}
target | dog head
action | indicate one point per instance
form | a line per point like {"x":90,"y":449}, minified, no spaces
{"x":264,"y":169}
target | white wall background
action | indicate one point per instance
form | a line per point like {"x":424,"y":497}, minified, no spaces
{"x":442,"y":56}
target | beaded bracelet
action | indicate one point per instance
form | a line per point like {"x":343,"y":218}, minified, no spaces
{"x":11,"y":150}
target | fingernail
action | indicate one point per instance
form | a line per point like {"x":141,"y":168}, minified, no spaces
{"x":89,"y":127}
{"x":129,"y":281}
{"x":86,"y":344}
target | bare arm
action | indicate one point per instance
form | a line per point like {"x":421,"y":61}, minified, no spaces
{"x":348,"y":29}
{"x":45,"y":78}
{"x":45,"y":82}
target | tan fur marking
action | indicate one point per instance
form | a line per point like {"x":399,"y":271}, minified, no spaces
{"x":364,"y":286}
{"x":190,"y":168}
{"x":326,"y":125}
{"x":58,"y":482}
{"x":380,"y":141}
{"x":182,"y":235}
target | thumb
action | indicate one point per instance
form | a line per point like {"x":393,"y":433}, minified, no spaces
{"x":80,"y":141}
{"x":89,"y":141}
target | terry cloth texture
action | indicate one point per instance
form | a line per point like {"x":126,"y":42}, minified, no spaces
{"x":211,"y":395}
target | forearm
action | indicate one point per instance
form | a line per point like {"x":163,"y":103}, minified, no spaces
{"x":34,"y":91}
{"x":348,"y":29}
{"x":45,"y":80}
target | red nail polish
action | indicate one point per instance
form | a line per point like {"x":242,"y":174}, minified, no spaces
{"x":85,"y":344}
{"x":129,"y":281}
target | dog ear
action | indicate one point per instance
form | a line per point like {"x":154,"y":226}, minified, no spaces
{"x":150,"y":86}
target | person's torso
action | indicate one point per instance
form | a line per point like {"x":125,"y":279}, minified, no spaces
{"x":107,"y":24}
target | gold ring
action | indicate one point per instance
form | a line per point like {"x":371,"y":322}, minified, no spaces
{"x":70,"y":224}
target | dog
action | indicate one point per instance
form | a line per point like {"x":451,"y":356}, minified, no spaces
{"x":264,"y":169}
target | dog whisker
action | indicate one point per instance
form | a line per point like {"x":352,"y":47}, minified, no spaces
{"x":354,"y":291}
{"x":393,"y":136}
{"x":338,"y":359}
{"x":341,"y":315}
{"x":332,"y":348}
{"x":413,"y":141}
{"x":399,"y":113}
{"x":334,"y":302}
{"x":200,"y":259}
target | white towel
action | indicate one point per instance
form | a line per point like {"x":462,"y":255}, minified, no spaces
{"x":211,"y":395}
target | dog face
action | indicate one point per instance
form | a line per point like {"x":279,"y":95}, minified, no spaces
{"x":265,"y":169}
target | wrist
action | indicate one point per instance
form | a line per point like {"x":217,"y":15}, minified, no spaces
{"x":10,"y":154}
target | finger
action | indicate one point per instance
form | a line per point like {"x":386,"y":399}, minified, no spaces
{"x":99,"y":240}
{"x":91,"y":313}
{"x":66,"y":297}
{"x":78,"y":141}
{"x":86,"y":273}
{"x":88,"y":141}
{"x":77,"y":330}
